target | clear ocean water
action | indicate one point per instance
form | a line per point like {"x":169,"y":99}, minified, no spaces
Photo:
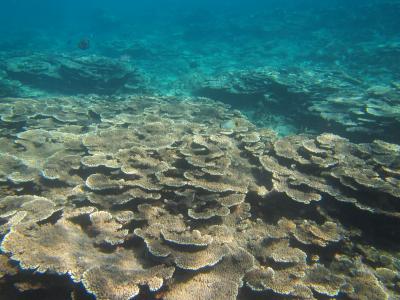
{"x":174,"y":149}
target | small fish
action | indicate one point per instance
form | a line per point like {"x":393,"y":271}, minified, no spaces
{"x":193,"y":64}
{"x":84,"y":44}
{"x":230,"y":124}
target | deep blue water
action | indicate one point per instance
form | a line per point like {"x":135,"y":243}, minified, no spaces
{"x":40,"y":25}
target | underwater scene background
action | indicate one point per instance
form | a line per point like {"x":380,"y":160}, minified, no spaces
{"x":174,"y":149}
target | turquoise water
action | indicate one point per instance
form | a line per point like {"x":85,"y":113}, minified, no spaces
{"x":200,"y":149}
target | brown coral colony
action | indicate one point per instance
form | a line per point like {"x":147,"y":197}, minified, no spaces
{"x":156,"y":196}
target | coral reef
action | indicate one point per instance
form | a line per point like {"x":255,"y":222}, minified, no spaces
{"x":70,"y":75}
{"x":110,"y":191}
{"x":316,"y":99}
{"x":164,"y":197}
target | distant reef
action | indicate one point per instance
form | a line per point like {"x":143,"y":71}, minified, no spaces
{"x":62,"y":74}
{"x":320,"y":99}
